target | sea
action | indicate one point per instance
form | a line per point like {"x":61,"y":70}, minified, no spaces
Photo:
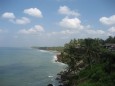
{"x":28,"y":67}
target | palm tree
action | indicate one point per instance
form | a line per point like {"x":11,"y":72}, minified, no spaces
{"x":92,"y":51}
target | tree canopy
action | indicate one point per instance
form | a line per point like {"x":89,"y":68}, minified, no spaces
{"x":88,"y":62}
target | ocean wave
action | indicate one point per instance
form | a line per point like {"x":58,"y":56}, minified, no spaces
{"x":46,"y":51}
{"x":43,"y":51}
{"x":54,"y":60}
{"x":50,"y":76}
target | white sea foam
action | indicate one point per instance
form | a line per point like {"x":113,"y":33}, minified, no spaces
{"x":46,"y":51}
{"x":43,"y":51}
{"x":50,"y":76}
{"x":54,"y":60}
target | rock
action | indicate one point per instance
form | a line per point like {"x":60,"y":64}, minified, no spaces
{"x":49,"y":85}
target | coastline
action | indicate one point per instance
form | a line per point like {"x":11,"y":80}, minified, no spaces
{"x":56,"y":59}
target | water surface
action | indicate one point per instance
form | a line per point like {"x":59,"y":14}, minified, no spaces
{"x":27,"y":67}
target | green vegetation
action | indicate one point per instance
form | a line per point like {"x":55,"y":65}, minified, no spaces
{"x":110,"y":40}
{"x":90,"y":62}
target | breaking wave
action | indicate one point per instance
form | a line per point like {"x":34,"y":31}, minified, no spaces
{"x":54,"y":60}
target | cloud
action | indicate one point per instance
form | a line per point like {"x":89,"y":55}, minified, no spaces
{"x":71,"y":23}
{"x":11,"y":17}
{"x":100,"y":32}
{"x":67,"y":35}
{"x":67,"y":32}
{"x":74,"y":28}
{"x":108,"y":20}
{"x":85,"y":30}
{"x":94,"y":32}
{"x":112,"y":30}
{"x":23,"y":20}
{"x":34,"y":30}
{"x":33,"y":12}
{"x":67,"y":11}
{"x":8,"y":15}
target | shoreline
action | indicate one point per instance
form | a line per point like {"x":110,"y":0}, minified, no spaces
{"x":56,"y":59}
{"x":56,"y":56}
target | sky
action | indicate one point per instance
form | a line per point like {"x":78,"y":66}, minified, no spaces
{"x":26,"y":23}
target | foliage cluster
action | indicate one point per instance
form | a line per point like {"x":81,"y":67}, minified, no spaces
{"x":89,"y":62}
